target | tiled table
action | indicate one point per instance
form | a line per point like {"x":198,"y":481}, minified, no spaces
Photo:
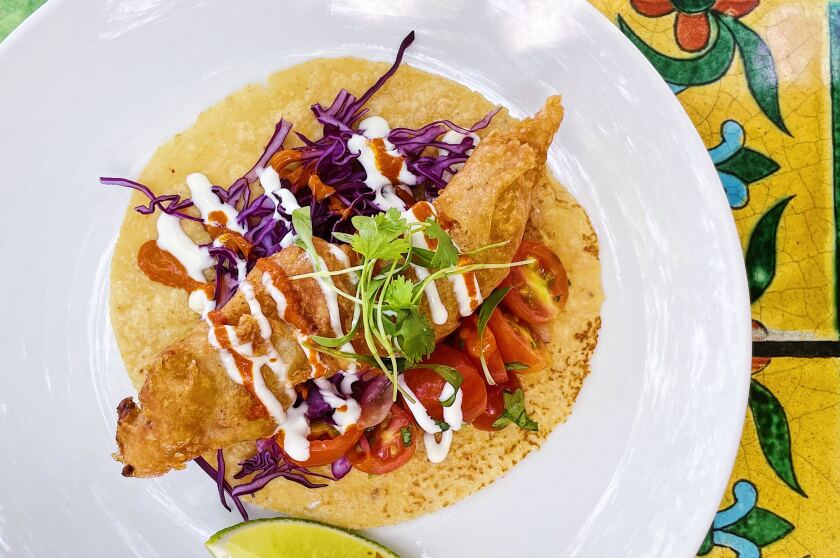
{"x":760,"y":79}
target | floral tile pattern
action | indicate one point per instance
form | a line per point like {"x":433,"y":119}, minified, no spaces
{"x":760,"y":79}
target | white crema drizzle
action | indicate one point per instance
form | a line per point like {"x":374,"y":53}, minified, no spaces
{"x":372,"y":128}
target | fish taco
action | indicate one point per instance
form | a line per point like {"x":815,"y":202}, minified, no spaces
{"x":356,"y":307}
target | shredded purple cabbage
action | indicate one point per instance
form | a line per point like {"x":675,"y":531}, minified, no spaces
{"x":219,"y":477}
{"x":340,"y":467}
{"x":431,"y":160}
{"x":316,"y":408}
{"x":414,"y":146}
{"x":170,"y":204}
{"x":267,"y":464}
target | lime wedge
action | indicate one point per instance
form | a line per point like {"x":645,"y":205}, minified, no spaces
{"x":292,"y":538}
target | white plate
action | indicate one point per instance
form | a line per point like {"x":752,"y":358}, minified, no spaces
{"x":91,"y":88}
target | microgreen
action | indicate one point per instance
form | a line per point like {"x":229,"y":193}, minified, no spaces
{"x":486,"y":247}
{"x":381,"y":237}
{"x":405,"y":432}
{"x":387,"y":303}
{"x":451,"y":376}
{"x":399,"y":293}
{"x":515,"y":412}
{"x":516,"y":365}
{"x":302,"y":222}
{"x":414,"y":334}
{"x":490,"y":304}
{"x":446,"y":254}
{"x":444,"y":426}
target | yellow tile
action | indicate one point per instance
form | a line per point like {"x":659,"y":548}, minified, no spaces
{"x":797,"y":35}
{"x":801,"y":299}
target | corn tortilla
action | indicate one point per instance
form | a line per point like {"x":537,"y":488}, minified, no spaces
{"x":223,"y":143}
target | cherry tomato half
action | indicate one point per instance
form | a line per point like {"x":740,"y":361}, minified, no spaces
{"x":427,"y":385}
{"x":387,"y":446}
{"x":495,"y":404}
{"x":326,"y":444}
{"x":468,"y":339}
{"x":539,"y":290}
{"x":518,"y":344}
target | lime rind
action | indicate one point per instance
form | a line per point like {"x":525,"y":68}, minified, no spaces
{"x":218,"y":544}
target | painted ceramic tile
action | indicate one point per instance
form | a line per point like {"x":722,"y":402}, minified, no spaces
{"x":12,"y":12}
{"x":755,"y":76}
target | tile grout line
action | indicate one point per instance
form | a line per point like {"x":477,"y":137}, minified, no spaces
{"x":834,"y":88}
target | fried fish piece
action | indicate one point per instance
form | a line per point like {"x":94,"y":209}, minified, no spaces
{"x":189,"y":404}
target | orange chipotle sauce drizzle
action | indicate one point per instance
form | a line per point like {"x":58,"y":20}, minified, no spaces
{"x":162,"y":267}
{"x":470,"y":282}
{"x":388,"y":165}
{"x":230,"y":239}
{"x":218,"y":217}
{"x":313,"y":357}
{"x":323,"y":192}
{"x":282,"y":161}
{"x":280,"y":280}
{"x":292,"y":314}
{"x":422,"y":210}
{"x":243,"y":364}
{"x":319,"y":189}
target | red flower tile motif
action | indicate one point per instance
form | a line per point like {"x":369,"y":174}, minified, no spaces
{"x":691,"y":27}
{"x":759,"y":333}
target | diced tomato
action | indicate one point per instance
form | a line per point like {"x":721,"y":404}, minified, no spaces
{"x":427,"y":385}
{"x":326,"y":444}
{"x":518,"y":344}
{"x":539,"y":290}
{"x":468,"y":339}
{"x":387,"y":446}
{"x":495,"y":404}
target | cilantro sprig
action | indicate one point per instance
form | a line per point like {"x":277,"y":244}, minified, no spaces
{"x":515,"y":412}
{"x":387,"y":312}
{"x":484,"y":315}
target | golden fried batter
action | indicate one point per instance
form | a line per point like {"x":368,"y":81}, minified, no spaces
{"x":188,"y":404}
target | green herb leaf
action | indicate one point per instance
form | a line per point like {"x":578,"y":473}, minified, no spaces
{"x":331,"y":342}
{"x":451,"y":376}
{"x":343,"y":237}
{"x":490,"y":304}
{"x":405,"y":432}
{"x":335,"y":342}
{"x":446,"y":255}
{"x":444,"y":426}
{"x":302,"y":222}
{"x":516,"y":365}
{"x":399,"y":294}
{"x":486,"y":247}
{"x":422,"y":257}
{"x":515,"y":412}
{"x":484,"y":313}
{"x":415,"y":335}
{"x":380,"y":237}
